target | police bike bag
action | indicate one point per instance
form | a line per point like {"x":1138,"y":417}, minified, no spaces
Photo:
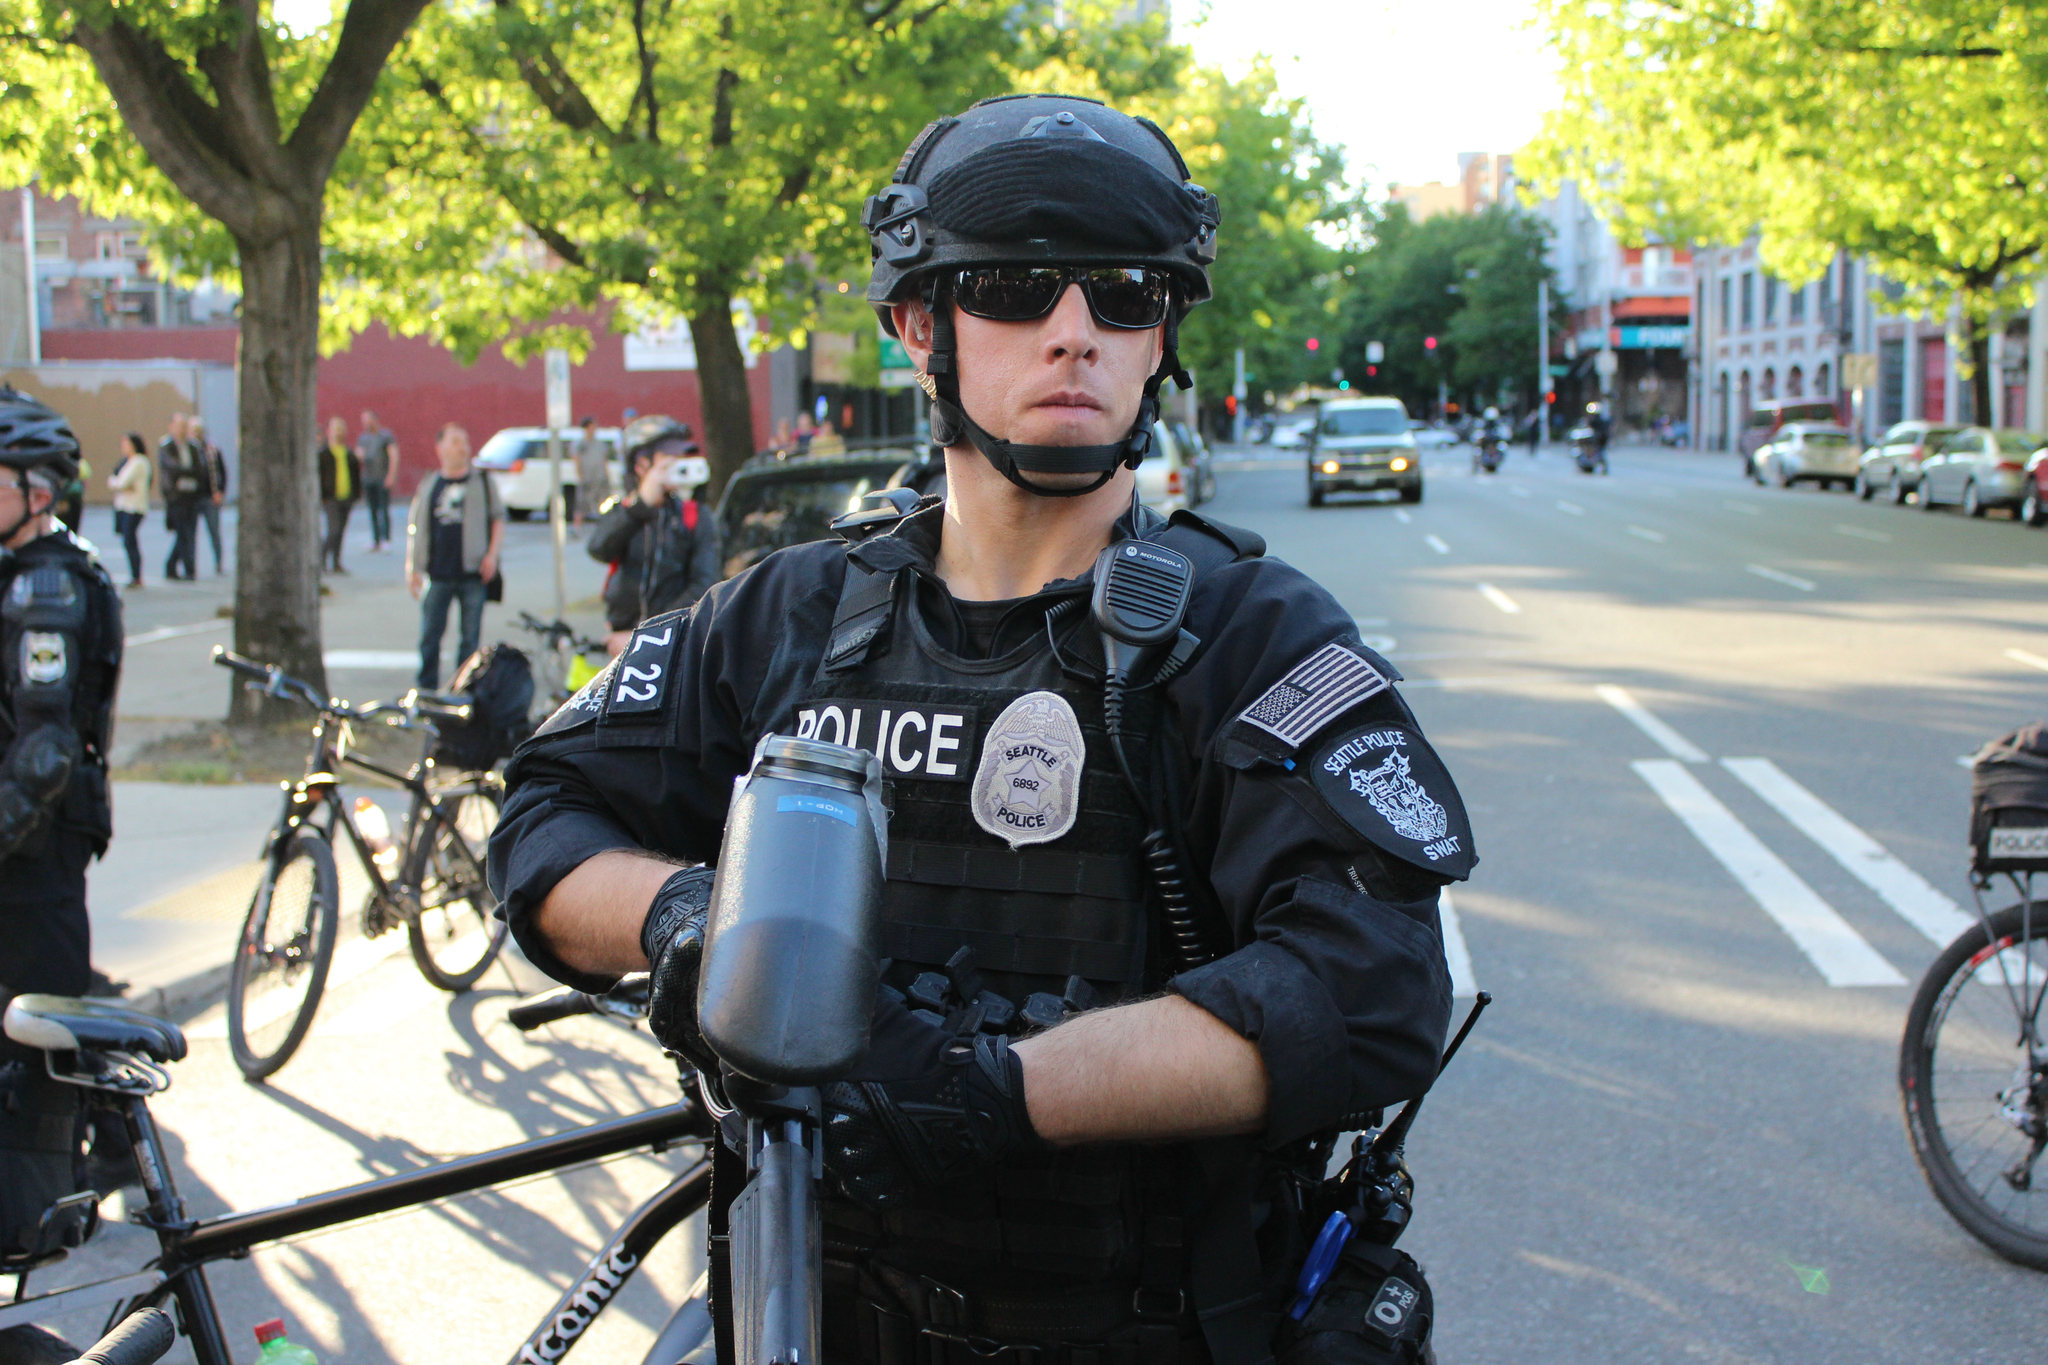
{"x":2009,"y":803}
{"x":498,"y":681}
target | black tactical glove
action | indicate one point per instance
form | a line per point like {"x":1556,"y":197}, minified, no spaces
{"x":672,"y":936}
{"x":927,"y":1106}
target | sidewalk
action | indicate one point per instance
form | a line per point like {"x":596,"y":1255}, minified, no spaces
{"x":168,"y":898}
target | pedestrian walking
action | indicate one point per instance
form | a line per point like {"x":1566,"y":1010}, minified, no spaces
{"x":1532,"y":430}
{"x":593,"y":459}
{"x":377,"y":453}
{"x":341,"y":482}
{"x":216,"y":489}
{"x":452,"y":537}
{"x":662,"y":545}
{"x":130,"y":481}
{"x":181,"y":473}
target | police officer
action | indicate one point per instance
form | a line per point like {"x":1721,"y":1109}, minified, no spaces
{"x":60,"y":658}
{"x":1137,"y":977}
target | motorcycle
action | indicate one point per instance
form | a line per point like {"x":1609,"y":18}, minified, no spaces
{"x":1586,"y":451}
{"x":1488,"y":457}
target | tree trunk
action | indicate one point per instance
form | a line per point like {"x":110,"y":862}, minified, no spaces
{"x":1979,"y":339}
{"x":722,"y":388}
{"x":277,"y":553}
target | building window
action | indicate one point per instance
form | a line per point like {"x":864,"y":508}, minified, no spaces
{"x":52,"y":246}
{"x":1748,"y":299}
{"x":1827,"y":291}
{"x":1795,"y":383}
{"x":1727,"y":291}
{"x":1822,"y":388}
{"x":1742,"y":403}
{"x":131,"y":246}
{"x":1721,"y":410}
{"x":107,"y":246}
{"x":1767,"y":389}
{"x":1795,"y":305}
{"x":1770,"y":300}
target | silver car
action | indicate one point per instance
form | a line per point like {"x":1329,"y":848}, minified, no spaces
{"x":1809,"y":452}
{"x":1979,"y":468}
{"x":1892,"y":466}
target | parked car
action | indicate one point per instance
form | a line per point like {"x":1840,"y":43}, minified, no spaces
{"x":1979,"y":468}
{"x":1291,"y":432}
{"x":2034,"y":495}
{"x":1361,"y":445}
{"x":1765,"y":419}
{"x":1201,"y":464}
{"x":1893,"y":464}
{"x":517,"y":458}
{"x":1427,"y":435}
{"x":1807,"y":452}
{"x":778,"y":499}
{"x":1166,"y":481}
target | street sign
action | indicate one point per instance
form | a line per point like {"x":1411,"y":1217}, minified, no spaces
{"x":893,"y":356}
{"x":1859,"y":370}
{"x":1652,"y":338}
{"x":1560,"y":371}
{"x":1606,"y":363}
{"x":1375,"y":352}
{"x":557,"y":367}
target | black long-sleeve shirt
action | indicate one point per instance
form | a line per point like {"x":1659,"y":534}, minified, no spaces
{"x":660,"y":561}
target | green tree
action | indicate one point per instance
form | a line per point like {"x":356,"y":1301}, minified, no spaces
{"x":1911,"y":131}
{"x":208,"y":121}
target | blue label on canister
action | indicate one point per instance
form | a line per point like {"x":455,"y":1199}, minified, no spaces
{"x":817,"y":805}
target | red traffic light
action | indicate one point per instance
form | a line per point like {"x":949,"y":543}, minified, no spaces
{"x":1550,"y":397}
{"x":1429,"y":343}
{"x":1372,"y":370}
{"x":1230,"y":404}
{"x":1313,"y":343}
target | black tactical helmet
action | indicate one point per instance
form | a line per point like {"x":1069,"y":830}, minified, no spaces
{"x":1039,"y":180}
{"x":32,"y":436}
{"x":644,"y":433}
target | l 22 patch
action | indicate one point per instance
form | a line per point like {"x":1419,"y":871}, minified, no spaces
{"x":1027,"y":787}
{"x":1388,"y":784}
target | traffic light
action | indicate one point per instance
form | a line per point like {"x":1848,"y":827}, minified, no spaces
{"x":1371,"y":370}
{"x":1343,"y":384}
{"x":1313,"y":343}
{"x":1230,"y":404}
{"x":1429,"y":343}
{"x":1550,"y":397}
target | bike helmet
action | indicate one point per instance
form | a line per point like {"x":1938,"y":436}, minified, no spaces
{"x":1039,"y":180}
{"x":644,"y":433}
{"x":34,"y":436}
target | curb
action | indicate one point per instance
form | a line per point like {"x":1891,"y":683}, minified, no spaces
{"x":179,"y":1000}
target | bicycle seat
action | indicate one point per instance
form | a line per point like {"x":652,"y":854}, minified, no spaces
{"x":59,"y":1023}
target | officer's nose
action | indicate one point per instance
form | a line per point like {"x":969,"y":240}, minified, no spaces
{"x":1069,"y":330}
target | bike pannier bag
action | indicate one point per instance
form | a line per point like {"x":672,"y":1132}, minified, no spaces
{"x":498,"y":681}
{"x":2009,"y":803}
{"x":41,"y":1162}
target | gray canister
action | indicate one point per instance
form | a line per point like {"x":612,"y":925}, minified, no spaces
{"x":788,"y":983}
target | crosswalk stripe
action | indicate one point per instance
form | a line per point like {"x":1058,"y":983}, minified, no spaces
{"x":1838,"y":951}
{"x":1456,"y":955}
{"x":1638,"y":715}
{"x":1903,"y":889}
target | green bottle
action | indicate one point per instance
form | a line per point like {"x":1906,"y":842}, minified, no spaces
{"x":277,"y":1349}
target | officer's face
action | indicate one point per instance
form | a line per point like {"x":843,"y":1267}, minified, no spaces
{"x":1060,"y":380}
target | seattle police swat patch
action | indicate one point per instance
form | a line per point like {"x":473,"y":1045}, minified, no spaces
{"x":1027,"y":787}
{"x":1388,"y":784}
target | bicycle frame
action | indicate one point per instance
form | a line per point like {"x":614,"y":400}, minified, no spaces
{"x":187,"y":1246}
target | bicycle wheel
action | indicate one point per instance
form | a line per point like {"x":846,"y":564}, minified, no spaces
{"x":281,"y":959}
{"x":1973,"y":1072}
{"x":455,"y":935}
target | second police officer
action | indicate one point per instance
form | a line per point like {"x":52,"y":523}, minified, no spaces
{"x":1075,"y":1144}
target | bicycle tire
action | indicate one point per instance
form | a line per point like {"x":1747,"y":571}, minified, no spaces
{"x":454,"y":932}
{"x":312,"y":914}
{"x":1962,"y":1036}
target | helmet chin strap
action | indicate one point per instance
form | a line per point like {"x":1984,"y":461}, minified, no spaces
{"x":1013,"y":461}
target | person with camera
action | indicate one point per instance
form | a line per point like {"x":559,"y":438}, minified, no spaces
{"x":660,"y":542}
{"x":1158,"y":925}
{"x":60,"y":663}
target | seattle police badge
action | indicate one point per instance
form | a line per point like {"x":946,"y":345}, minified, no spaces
{"x":1027,"y":787}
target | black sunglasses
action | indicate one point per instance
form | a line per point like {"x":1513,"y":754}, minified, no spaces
{"x":1126,"y":297}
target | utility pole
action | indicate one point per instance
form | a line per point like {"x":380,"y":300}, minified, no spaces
{"x":1543,"y":379}
{"x":556,"y":371}
{"x":28,"y":247}
{"x":1237,"y":391}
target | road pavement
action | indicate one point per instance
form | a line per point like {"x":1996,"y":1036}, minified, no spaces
{"x":1708,"y":734}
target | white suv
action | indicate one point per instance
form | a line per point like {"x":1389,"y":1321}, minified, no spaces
{"x":518,"y":460}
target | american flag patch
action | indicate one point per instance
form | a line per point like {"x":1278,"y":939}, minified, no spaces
{"x":1320,"y":688}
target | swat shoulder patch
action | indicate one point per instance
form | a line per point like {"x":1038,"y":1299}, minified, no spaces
{"x":582,"y":708}
{"x":1385,"y":781}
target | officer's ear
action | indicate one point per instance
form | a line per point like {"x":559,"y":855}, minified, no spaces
{"x":914,"y":328}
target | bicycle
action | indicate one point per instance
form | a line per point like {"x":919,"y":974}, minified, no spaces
{"x":567,"y":663}
{"x":431,"y":880}
{"x":119,"y":1056}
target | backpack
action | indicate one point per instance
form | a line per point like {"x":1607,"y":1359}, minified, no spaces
{"x":499,"y":683}
{"x":2009,"y":803}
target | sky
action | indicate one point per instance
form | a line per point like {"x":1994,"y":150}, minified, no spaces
{"x":1402,"y":85}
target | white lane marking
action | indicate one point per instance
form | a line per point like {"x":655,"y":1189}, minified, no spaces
{"x":1500,"y":599}
{"x":1743,"y":508}
{"x":150,"y":637}
{"x":1903,"y":889}
{"x":1860,"y":533}
{"x":1570,"y":507}
{"x":1456,"y":955}
{"x":1436,"y":543}
{"x":1519,"y":491}
{"x":1668,"y":739}
{"x":1645,"y":533}
{"x":1402,"y":517}
{"x":394,"y":659}
{"x":1777,"y":576}
{"x":2031,"y":660}
{"x":1837,"y":950}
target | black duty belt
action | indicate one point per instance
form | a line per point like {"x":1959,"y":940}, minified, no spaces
{"x":1098,"y":1327}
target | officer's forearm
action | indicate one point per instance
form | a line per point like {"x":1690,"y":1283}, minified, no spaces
{"x":1158,"y":1069}
{"x":593,"y":916}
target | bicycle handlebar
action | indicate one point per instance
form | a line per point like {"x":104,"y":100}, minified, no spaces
{"x":559,"y":632}
{"x":403,"y":712}
{"x":626,"y":1001}
{"x":142,"y":1338}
